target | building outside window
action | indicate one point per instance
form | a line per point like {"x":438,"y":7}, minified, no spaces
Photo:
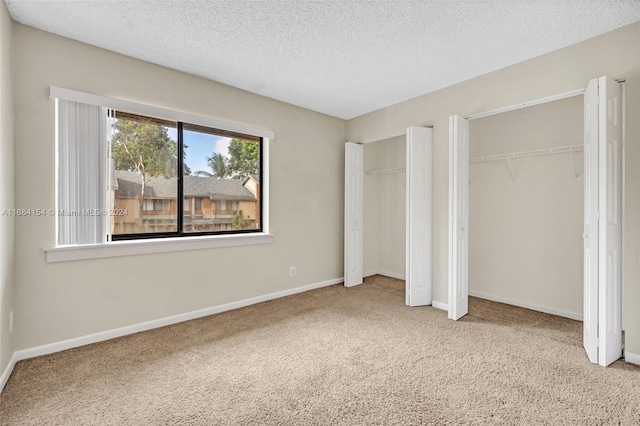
{"x":217,"y":191}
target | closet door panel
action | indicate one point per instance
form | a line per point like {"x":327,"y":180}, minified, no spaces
{"x":418,"y":220}
{"x":459,"y":217}
{"x":590,"y":235}
{"x":353,"y":226}
{"x":610,"y":226}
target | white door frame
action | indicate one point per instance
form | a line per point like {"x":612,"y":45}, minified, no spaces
{"x":605,"y":325}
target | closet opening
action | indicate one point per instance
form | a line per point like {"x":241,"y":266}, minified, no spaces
{"x":526,"y":207}
{"x":603,"y":122}
{"x":384,"y":201}
{"x":388,"y":199}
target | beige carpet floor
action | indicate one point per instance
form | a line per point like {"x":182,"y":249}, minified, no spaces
{"x":333,"y":356}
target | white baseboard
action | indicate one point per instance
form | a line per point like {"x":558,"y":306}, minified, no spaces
{"x":435,"y":304}
{"x":7,"y":371}
{"x":391,"y":274}
{"x":149,"y":325}
{"x":548,"y":310}
{"x":632,"y":358}
{"x":370,"y":273}
{"x":440,"y":305}
{"x":382,"y":272}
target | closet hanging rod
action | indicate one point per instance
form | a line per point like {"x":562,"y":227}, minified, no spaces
{"x":533,"y":153}
{"x":383,"y":138}
{"x":521,"y":105}
{"x":386,"y":171}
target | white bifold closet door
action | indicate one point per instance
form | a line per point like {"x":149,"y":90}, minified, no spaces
{"x":459,"y":217}
{"x":353,"y":225}
{"x":418,"y":216}
{"x":603,"y":221}
{"x":590,"y":235}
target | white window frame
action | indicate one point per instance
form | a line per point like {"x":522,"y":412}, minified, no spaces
{"x":163,"y":245}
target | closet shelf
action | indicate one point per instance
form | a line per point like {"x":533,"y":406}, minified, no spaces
{"x":386,"y":171}
{"x":534,"y":153}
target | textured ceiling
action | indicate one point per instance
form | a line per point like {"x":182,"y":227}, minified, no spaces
{"x":342,"y":58}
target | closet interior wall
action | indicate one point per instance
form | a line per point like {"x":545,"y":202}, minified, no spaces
{"x":384,"y":207}
{"x":525,"y":228}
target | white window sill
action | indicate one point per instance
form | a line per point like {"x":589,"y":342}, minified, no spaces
{"x":149,"y":246}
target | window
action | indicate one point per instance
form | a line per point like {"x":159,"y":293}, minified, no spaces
{"x":159,"y":166}
{"x":152,"y":205}
{"x":132,"y":171}
{"x":226,"y":206}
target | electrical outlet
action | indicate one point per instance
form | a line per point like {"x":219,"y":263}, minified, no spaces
{"x":292,"y":271}
{"x":11,"y":322}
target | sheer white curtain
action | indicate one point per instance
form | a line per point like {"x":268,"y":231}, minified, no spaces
{"x":82,"y":173}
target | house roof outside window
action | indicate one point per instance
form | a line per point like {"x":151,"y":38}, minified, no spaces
{"x":129,"y":186}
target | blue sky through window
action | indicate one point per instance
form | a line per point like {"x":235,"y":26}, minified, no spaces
{"x":200,"y":146}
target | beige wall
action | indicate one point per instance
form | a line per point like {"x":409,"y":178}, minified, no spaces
{"x":384,"y":208}
{"x":6,"y":185}
{"x":616,"y":54}
{"x":525,"y":234}
{"x":59,"y":301}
